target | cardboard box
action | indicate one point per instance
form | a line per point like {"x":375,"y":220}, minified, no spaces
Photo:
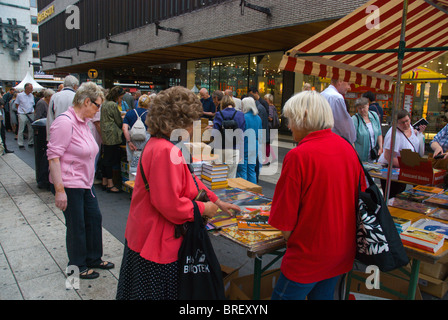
{"x":433,"y":286}
{"x":434,"y":270}
{"x":240,"y":183}
{"x":242,"y":288}
{"x":415,"y":169}
{"x":228,"y":274}
{"x":359,"y":290}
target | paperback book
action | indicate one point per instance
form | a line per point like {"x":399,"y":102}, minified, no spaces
{"x":428,"y":189}
{"x":251,"y":239}
{"x":255,"y":218}
{"x":439,"y":200}
{"x":414,"y":195}
{"x":432,"y":225}
{"x":422,"y":239}
{"x":440,"y":214}
{"x":401,"y":224}
{"x":411,"y":206}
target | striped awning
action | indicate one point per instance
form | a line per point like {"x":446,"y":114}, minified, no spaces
{"x":362,"y":48}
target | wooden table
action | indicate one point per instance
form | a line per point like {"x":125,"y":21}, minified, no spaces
{"x":415,"y":255}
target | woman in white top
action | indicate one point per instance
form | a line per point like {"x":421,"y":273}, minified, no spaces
{"x":406,"y":137}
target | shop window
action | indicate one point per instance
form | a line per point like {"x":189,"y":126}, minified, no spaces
{"x":35,"y":37}
{"x":34,"y":20}
{"x":36,"y":54}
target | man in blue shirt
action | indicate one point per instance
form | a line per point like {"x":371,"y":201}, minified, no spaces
{"x":208,"y":105}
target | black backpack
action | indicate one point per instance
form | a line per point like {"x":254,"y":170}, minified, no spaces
{"x":226,"y":125}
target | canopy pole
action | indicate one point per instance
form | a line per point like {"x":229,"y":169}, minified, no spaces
{"x":401,"y":52}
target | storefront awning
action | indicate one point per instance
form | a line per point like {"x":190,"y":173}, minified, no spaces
{"x":363,"y":47}
{"x":422,"y":74}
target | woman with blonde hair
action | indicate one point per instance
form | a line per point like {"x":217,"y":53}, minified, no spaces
{"x":314,"y":202}
{"x":252,"y":141}
{"x":130,"y":119}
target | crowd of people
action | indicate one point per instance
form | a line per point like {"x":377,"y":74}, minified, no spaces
{"x":87,"y":123}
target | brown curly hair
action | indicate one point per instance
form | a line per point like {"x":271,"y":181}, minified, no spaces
{"x":173,"y":108}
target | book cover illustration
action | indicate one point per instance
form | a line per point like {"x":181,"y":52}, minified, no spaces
{"x":414,"y":195}
{"x":253,"y":200}
{"x":440,"y":214}
{"x":222,"y":220}
{"x":232,"y":194}
{"x":422,"y":239}
{"x":428,"y":189}
{"x":255,"y":218}
{"x":439,"y":200}
{"x":250,"y":239}
{"x":411,"y":206}
{"x":432,"y":225}
{"x":401,"y":223}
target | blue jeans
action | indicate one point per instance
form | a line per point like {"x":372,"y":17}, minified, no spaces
{"x":286,"y":289}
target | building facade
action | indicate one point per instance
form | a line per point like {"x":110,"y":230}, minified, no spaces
{"x":19,"y":37}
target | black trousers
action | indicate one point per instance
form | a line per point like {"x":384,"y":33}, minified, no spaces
{"x":84,"y":239}
{"x":111,"y":159}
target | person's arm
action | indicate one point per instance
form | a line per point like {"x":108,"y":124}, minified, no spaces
{"x":127,"y":136}
{"x":437,"y":148}
{"x":380,"y":145}
{"x":387,"y":155}
{"x":56,"y":176}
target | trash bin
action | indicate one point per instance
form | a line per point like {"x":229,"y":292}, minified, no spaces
{"x":40,"y":153}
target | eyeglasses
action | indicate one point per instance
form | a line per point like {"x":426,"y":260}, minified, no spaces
{"x":96,"y":104}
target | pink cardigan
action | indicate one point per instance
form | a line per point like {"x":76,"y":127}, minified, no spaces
{"x":154,"y":214}
{"x":73,"y":143}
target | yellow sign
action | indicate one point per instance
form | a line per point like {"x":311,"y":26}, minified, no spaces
{"x":41,"y":16}
{"x":92,"y":73}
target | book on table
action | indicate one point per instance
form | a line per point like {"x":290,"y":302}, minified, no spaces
{"x":255,"y":218}
{"x":411,"y":206}
{"x":414,"y":195}
{"x":438,"y":200}
{"x":440,"y":214}
{"x":428,"y":189}
{"x":401,"y":223}
{"x":432,"y":225}
{"x":422,"y":239}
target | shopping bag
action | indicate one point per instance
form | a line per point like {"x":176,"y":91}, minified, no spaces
{"x":377,"y":237}
{"x":200,"y":276}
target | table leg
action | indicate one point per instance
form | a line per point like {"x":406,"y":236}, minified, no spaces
{"x":257,"y":278}
{"x":413,"y":280}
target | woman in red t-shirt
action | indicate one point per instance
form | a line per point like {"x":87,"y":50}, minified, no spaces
{"x":314,"y":202}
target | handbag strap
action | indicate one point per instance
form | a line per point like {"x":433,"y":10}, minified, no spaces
{"x":407,"y":138}
{"x":142,"y":172}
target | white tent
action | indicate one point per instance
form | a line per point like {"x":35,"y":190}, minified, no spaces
{"x":29,"y":79}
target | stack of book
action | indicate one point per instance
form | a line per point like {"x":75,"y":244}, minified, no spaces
{"x":422,"y":239}
{"x":401,"y":224}
{"x":197,"y":168}
{"x":214,"y":176}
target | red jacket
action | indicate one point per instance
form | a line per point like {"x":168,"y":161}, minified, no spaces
{"x":315,"y":199}
{"x":154,"y":214}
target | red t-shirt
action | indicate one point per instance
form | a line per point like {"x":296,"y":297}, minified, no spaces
{"x":315,"y":198}
{"x":154,"y":214}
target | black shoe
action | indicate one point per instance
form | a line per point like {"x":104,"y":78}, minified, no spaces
{"x":104,"y":265}
{"x":21,"y":147}
{"x":9,"y":151}
{"x":30,"y":145}
{"x":89,"y":275}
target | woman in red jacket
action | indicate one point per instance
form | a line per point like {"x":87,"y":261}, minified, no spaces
{"x":314,"y":202}
{"x":149,"y":269}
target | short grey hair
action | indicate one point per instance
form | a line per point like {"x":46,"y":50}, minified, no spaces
{"x":248,"y":104}
{"x":309,"y":111}
{"x":361,"y":102}
{"x":71,"y":82}
{"x":48,"y":93}
{"x":88,"y":90}
{"x":269,"y":97}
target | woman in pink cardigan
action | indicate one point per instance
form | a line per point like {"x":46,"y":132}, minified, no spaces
{"x":71,"y":154}
{"x":149,"y":270}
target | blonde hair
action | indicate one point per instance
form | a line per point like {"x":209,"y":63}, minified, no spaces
{"x":171,"y":109}
{"x":248,"y":104}
{"x":144,"y":101}
{"x":227,"y":101}
{"x":309,"y":111}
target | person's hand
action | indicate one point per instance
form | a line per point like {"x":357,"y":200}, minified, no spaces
{"x":438,"y":150}
{"x":132,"y":146}
{"x":227,"y":206}
{"x":421,"y":128}
{"x":380,"y":152}
{"x":61,"y":200}
{"x":210,"y":209}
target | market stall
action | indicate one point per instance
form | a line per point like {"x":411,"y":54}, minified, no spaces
{"x":375,"y":46}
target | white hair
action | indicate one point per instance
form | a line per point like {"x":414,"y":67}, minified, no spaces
{"x":248,"y":104}
{"x":71,"y":82}
{"x":308,"y":110}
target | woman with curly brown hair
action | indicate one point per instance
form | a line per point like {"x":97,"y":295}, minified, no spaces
{"x":149,"y":269}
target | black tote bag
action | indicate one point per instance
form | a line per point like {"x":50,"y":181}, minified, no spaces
{"x":200,"y":276}
{"x":377,"y":237}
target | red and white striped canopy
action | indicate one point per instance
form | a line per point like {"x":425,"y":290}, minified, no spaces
{"x":374,"y":26}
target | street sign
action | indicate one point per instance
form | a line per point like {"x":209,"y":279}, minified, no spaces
{"x":92,"y":73}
